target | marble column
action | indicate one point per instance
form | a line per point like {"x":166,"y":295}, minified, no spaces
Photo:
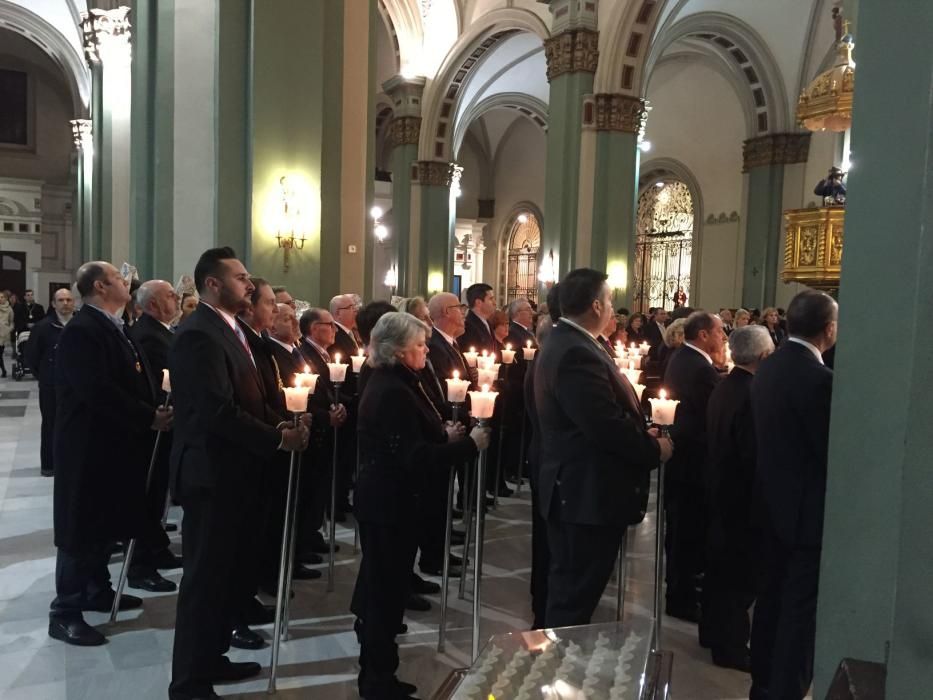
{"x":404,"y":132}
{"x":82,"y":132}
{"x":107,"y":49}
{"x":435,"y":199}
{"x":618,"y":120}
{"x":877,"y":562}
{"x":764,"y":159}
{"x":572,"y":54}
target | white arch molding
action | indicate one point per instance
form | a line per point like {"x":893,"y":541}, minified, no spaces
{"x":624,"y":45}
{"x":526,"y":105}
{"x":502,"y":242}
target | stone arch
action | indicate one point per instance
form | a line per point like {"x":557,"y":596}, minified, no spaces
{"x":730,"y":37}
{"x":442,"y":95}
{"x":393,"y":35}
{"x":503,"y":236}
{"x":75,"y":71}
{"x":528,"y":106}
{"x":624,"y":51}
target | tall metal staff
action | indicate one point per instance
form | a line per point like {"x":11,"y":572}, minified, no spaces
{"x":620,"y":576}
{"x":357,"y":361}
{"x":528,"y":354}
{"x":508,"y":357}
{"x":338,"y":372}
{"x":131,"y":547}
{"x":296,"y":401}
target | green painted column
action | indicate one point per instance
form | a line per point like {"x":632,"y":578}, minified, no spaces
{"x":764,"y":160}
{"x":404,"y":133}
{"x":369,"y":281}
{"x":617,"y":119}
{"x":331,"y":123}
{"x":877,"y":564}
{"x":436,"y":214}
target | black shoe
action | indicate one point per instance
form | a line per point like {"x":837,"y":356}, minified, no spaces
{"x":303,"y":573}
{"x":258,"y":614}
{"x":318,"y":548}
{"x":244,"y":638}
{"x":152,"y":582}
{"x":406,"y":688}
{"x":453,"y":571}
{"x":458,"y":513}
{"x":104,"y":602}
{"x":166,"y":560}
{"x":229,"y":672}
{"x":422,"y":587}
{"x":457,"y":538}
{"x":75,"y":631}
{"x":402,"y":629}
{"x":504,"y":492}
{"x":417,"y":604}
{"x":47,"y":472}
{"x":686,"y":612}
{"x":171,"y":527}
{"x":310,"y":558}
{"x":738,"y":659}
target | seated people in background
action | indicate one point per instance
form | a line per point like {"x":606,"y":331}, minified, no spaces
{"x":772,"y":322}
{"x":742,"y":318}
{"x":673,"y":339}
{"x":635,"y":330}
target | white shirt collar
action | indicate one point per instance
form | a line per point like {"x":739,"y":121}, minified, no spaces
{"x":525,"y":328}
{"x":115,"y":320}
{"x":345,"y":329}
{"x":287,"y":347}
{"x":322,"y":351}
{"x":702,"y":352}
{"x":573,"y":324}
{"x":231,"y":321}
{"x":446,"y":337}
{"x":810,"y":346}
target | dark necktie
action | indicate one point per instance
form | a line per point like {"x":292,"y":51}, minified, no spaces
{"x":298,"y":357}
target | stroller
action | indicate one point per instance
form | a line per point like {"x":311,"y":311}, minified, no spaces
{"x":20,"y":368}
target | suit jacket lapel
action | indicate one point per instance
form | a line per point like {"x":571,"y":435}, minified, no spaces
{"x":226,"y":332}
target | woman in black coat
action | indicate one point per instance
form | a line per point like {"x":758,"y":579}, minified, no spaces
{"x":401,"y":435}
{"x":635,"y":329}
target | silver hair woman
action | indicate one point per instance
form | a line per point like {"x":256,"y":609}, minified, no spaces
{"x":401,"y":435}
{"x":749,"y":345}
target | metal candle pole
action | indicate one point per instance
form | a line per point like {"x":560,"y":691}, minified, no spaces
{"x":131,"y":547}
{"x":521,"y":447}
{"x":333,"y":500}
{"x":659,"y":551}
{"x":505,"y":395}
{"x":445,"y":577}
{"x":467,"y":498}
{"x":356,"y":523}
{"x":286,"y":562}
{"x":478,"y":546}
{"x":620,"y":576}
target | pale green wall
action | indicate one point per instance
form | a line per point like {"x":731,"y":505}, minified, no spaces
{"x":764,"y":225}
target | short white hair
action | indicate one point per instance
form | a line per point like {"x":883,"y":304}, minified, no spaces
{"x":146,"y":291}
{"x":393,"y":332}
{"x":516,"y":304}
{"x":749,"y":343}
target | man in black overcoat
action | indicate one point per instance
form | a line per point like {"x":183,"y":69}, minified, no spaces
{"x":40,"y":358}
{"x":791,"y":397}
{"x":520,"y":334}
{"x":344,"y":308}
{"x":27,"y":313}
{"x":106,"y":410}
{"x":481,"y":305}
{"x":595,"y":452}
{"x":224,"y":437}
{"x":728,"y":586}
{"x":153,"y":333}
{"x":690,"y":378}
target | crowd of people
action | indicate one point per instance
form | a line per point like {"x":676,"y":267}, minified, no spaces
{"x":745,"y":477}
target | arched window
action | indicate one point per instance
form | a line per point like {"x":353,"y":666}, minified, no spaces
{"x":664,"y":246}
{"x":522,"y":261}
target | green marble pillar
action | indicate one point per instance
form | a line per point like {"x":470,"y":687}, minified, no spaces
{"x":877,"y":565}
{"x":436,"y":224}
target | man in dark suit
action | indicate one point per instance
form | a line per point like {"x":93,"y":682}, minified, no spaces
{"x":727,"y":321}
{"x":596,"y":455}
{"x":520,"y":334}
{"x":690,"y":378}
{"x":224,"y":436}
{"x":153,"y":333}
{"x":481,"y":304}
{"x":791,"y":397}
{"x":728,"y":586}
{"x":344,"y":308}
{"x":654,"y":332}
{"x":40,"y":357}
{"x":105,"y":411}
{"x":27,"y":313}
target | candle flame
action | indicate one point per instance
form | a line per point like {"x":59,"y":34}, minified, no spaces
{"x":307,"y":369}
{"x":485,"y":388}
{"x":297,"y":382}
{"x":528,"y":345}
{"x":485,"y":353}
{"x":456,"y":374}
{"x":360,"y":353}
{"x":472,"y":349}
{"x":631,"y":364}
{"x":662,"y":394}
{"x":508,"y":346}
{"x":337,"y":358}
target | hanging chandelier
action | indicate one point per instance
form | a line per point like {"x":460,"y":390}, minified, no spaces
{"x":826,"y":103}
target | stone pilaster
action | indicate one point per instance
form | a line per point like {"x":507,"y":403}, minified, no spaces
{"x":436,"y":185}
{"x":83,"y":135}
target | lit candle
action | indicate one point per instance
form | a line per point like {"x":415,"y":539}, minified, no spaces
{"x":508,"y":354}
{"x":639,"y":389}
{"x":644,"y":347}
{"x":338,"y":371}
{"x":620,"y":350}
{"x":296,"y":398}
{"x":306,"y":378}
{"x":663,"y":409}
{"x":457,"y":388}
{"x":470,"y":357}
{"x":486,"y":361}
{"x":633,"y":375}
{"x":633,"y":350}
{"x":482,"y":402}
{"x":528,"y":352}
{"x":488,"y":375}
{"x":358,"y":360}
{"x":166,"y":382}
{"x":634,"y":361}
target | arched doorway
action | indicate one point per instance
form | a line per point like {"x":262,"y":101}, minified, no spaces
{"x":664,"y":246}
{"x":521,"y":273}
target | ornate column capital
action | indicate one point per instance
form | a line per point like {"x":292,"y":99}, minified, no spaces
{"x":615,"y":112}
{"x":405,"y":94}
{"x":775,"y":149}
{"x":435,"y":173}
{"x":82,"y":133}
{"x":572,"y":51}
{"x":404,"y":131}
{"x":106,"y":33}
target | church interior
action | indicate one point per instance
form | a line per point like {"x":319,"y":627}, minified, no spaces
{"x":401,"y":148}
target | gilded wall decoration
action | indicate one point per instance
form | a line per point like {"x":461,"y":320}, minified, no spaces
{"x":433,"y":173}
{"x":404,"y":131}
{"x":619,"y":113}
{"x":573,"y":51}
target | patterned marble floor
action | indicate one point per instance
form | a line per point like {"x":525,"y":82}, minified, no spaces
{"x":320,"y":661}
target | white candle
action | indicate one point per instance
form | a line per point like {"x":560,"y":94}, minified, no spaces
{"x":644,"y":347}
{"x":482,"y":402}
{"x":639,"y":389}
{"x":633,"y":375}
{"x":508,"y":354}
{"x":306,"y":378}
{"x":166,"y":382}
{"x":457,"y":388}
{"x":358,"y":360}
{"x":634,"y":361}
{"x":620,"y":350}
{"x":338,"y":371}
{"x":487,"y":361}
{"x":528,"y":352}
{"x":470,"y":357}
{"x":296,"y":398}
{"x":663,"y":409}
{"x":488,"y":375}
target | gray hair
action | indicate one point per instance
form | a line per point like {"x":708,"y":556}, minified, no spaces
{"x":393,"y":332}
{"x":675,"y":328}
{"x":515,"y":305}
{"x":749,"y":343}
{"x":146,"y":290}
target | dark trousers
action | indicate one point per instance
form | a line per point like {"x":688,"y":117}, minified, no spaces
{"x":314,"y":497}
{"x":728,"y":593}
{"x":215,"y":536}
{"x":47,"y":409}
{"x":276,"y":495}
{"x":346,"y":464}
{"x":152,"y":539}
{"x":684,"y":542}
{"x":784,"y":627}
{"x":433,"y":517}
{"x":540,"y":562}
{"x":382,"y":587}
{"x":582,"y":557}
{"x":81,"y":576}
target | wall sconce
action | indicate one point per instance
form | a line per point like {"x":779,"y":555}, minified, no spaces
{"x":290,"y":214}
{"x":391,"y":278}
{"x":617,"y":276}
{"x":548,"y":274}
{"x":380,"y":230}
{"x":435,"y":282}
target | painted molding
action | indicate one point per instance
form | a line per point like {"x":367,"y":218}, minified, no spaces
{"x":626,"y":38}
{"x":775,"y":149}
{"x":572,"y":51}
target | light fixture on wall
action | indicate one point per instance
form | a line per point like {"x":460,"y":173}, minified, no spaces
{"x":548,"y":273}
{"x":391,"y":279}
{"x":289,"y":220}
{"x":380,"y":230}
{"x":644,"y":145}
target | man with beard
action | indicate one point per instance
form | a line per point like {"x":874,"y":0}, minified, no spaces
{"x":225,"y":435}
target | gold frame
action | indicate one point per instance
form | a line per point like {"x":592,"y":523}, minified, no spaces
{"x":813,"y":246}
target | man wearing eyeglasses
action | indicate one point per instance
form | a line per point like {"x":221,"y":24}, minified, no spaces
{"x":344,"y":308}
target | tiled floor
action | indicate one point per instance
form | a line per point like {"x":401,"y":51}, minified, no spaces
{"x":320,"y":660}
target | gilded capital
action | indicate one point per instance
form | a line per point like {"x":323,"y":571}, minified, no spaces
{"x":435,"y":173}
{"x":613,"y":112}
{"x":82,"y":133}
{"x":106,"y":34}
{"x":775,"y":149}
{"x":404,"y":131}
{"x":572,"y":51}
